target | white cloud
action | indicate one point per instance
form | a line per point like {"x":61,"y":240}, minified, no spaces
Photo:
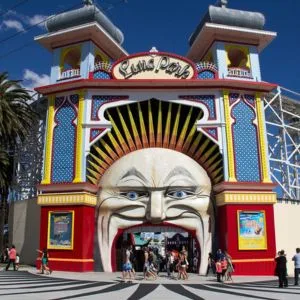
{"x":19,"y":21}
{"x":32,"y":79}
{"x":38,"y":20}
{"x":12,"y":24}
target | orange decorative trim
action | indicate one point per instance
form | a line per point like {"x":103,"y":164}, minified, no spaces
{"x":72,"y":259}
{"x":252,"y":260}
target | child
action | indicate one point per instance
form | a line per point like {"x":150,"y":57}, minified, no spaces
{"x":219,"y":270}
{"x":224,"y":267}
{"x":17,"y":261}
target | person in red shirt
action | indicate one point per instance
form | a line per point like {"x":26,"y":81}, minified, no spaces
{"x":224,"y":266}
{"x":219,"y":270}
{"x":12,"y":254}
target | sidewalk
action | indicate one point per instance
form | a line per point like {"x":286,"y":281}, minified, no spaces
{"x":162,"y":279}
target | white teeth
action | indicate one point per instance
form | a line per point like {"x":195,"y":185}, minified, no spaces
{"x":107,"y":231}
{"x":109,"y":227}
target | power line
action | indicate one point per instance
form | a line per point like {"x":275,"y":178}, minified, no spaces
{"x":32,"y":41}
{"x":16,"y":49}
{"x":13,"y":7}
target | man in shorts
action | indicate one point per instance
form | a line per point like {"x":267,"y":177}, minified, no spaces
{"x":127,"y":266}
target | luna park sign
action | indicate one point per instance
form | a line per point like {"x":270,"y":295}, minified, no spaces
{"x":153,"y":66}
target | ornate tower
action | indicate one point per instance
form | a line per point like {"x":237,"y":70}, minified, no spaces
{"x":83,"y":43}
{"x":233,"y":39}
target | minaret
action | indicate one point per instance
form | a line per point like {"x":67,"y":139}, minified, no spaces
{"x":80,"y":40}
{"x":83,"y":43}
{"x":232,"y":39}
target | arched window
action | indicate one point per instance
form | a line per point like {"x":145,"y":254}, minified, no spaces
{"x":238,"y":61}
{"x":70,"y":62}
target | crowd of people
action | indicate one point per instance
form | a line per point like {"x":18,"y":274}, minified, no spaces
{"x":220,"y":265}
{"x":153,"y":263}
{"x":11,"y":257}
{"x":176,"y":264}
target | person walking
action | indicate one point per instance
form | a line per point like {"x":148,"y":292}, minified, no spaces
{"x":211,"y":264}
{"x":132,"y":260}
{"x":224,"y":267}
{"x":44,"y":261}
{"x":281,"y":269}
{"x":219,"y":270}
{"x":146,"y":262}
{"x":296,"y":259}
{"x":170,"y":264}
{"x":127,"y":266}
{"x":219,"y":255}
{"x":12,"y":254}
{"x":230,"y":268}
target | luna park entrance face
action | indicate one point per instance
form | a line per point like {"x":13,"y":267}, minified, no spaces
{"x":161,"y":240}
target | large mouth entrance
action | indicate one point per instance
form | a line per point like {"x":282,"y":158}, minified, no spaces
{"x":160,"y":239}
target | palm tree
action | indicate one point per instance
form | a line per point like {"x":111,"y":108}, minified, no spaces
{"x":4,"y":163}
{"x":16,"y":119}
{"x":16,"y":116}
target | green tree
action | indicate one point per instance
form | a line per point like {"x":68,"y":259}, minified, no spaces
{"x":16,"y":119}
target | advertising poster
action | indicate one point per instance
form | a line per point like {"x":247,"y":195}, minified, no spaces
{"x":252,"y":230}
{"x":60,"y":230}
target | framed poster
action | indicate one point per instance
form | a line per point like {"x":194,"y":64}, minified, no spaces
{"x":60,"y":230}
{"x":252,"y":234}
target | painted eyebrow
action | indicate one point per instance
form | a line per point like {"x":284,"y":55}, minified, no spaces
{"x":179,"y":171}
{"x":136,"y":173}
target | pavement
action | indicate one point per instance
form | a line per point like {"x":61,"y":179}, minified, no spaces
{"x":27,"y":284}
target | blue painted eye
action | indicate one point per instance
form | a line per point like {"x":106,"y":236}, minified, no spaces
{"x":180,"y":194}
{"x":132,"y":195}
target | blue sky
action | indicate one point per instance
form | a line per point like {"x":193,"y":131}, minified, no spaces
{"x":166,"y":24}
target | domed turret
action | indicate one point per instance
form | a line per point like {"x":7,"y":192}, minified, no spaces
{"x":87,"y":14}
{"x":231,"y":17}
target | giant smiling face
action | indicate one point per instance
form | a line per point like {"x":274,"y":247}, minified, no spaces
{"x":153,"y":185}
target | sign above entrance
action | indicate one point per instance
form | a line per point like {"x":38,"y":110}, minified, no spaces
{"x":154,"y":66}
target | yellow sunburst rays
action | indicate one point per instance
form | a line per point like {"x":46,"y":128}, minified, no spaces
{"x":189,"y":141}
{"x":159,"y":127}
{"x":126,"y":131}
{"x":190,"y":136}
{"x":136,"y":136}
{"x":151,"y":126}
{"x":195,"y":144}
{"x":219,"y":178}
{"x":214,"y":165}
{"x":115,"y":144}
{"x":168,"y":126}
{"x":184,"y":131}
{"x":142,"y":127}
{"x":104,"y":156}
{"x":175,"y":129}
{"x":119,"y":135}
{"x":109,"y":150}
{"x":201,"y":150}
{"x":99,"y":169}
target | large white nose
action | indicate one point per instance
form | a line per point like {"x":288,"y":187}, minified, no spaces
{"x":155,"y":209}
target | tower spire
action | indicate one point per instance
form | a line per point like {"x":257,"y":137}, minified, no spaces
{"x":222,"y":3}
{"x":88,"y":2}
